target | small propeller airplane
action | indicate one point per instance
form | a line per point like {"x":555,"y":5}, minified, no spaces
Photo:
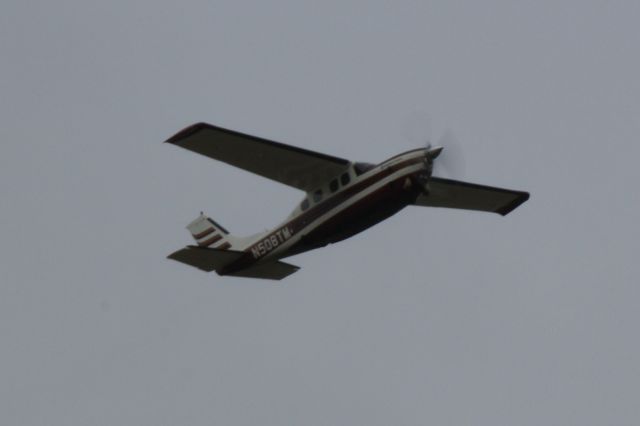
{"x":343,"y":198}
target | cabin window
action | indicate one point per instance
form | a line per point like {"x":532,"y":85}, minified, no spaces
{"x":345,"y":179}
{"x":333,"y":185}
{"x":317,"y":196}
{"x":305,"y":204}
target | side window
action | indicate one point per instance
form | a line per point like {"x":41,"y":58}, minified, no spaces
{"x":333,"y":186}
{"x":305,"y":204}
{"x":317,"y":196}
{"x":345,"y":179}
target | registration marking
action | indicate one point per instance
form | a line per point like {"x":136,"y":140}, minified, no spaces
{"x":270,"y":242}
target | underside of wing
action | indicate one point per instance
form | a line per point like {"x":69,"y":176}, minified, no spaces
{"x":297,"y":167}
{"x":469,"y":196}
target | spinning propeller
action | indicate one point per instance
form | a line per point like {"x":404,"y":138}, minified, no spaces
{"x":449,"y":153}
{"x":444,"y":159}
{"x":450,"y":162}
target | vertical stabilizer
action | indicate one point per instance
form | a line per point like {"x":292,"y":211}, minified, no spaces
{"x":208,"y":233}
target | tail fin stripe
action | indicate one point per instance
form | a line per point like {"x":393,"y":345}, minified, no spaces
{"x":216,"y":224}
{"x":209,"y":233}
{"x":203,"y":233}
{"x":210,"y":240}
{"x":224,"y":246}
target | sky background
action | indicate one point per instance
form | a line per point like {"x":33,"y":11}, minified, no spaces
{"x":435,"y":316}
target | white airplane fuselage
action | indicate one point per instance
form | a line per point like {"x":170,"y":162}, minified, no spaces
{"x":340,"y":209}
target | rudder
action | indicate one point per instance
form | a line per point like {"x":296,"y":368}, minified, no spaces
{"x":209,"y":233}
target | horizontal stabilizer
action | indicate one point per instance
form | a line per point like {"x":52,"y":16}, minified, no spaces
{"x":206,"y":259}
{"x":470,"y":196}
{"x":270,"y":271}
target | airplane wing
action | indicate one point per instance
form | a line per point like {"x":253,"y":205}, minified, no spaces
{"x":297,"y":167}
{"x":469,"y":196}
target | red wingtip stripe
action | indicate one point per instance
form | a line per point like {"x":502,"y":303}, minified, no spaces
{"x":224,"y":246}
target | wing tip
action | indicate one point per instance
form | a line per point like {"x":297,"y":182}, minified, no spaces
{"x":508,"y":208}
{"x":186,"y":132}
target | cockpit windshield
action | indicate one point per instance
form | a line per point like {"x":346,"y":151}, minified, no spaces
{"x":360,"y":168}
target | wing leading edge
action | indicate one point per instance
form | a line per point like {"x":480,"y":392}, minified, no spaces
{"x":470,"y":196}
{"x":297,"y":167}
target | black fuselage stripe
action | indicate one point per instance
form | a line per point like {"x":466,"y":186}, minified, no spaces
{"x":317,"y":211}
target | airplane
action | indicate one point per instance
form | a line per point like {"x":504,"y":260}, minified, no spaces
{"x":343,"y":198}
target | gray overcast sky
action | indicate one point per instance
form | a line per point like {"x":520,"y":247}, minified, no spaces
{"x":433,"y":317}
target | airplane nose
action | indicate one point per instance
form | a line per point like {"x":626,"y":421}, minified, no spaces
{"x":433,"y":152}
